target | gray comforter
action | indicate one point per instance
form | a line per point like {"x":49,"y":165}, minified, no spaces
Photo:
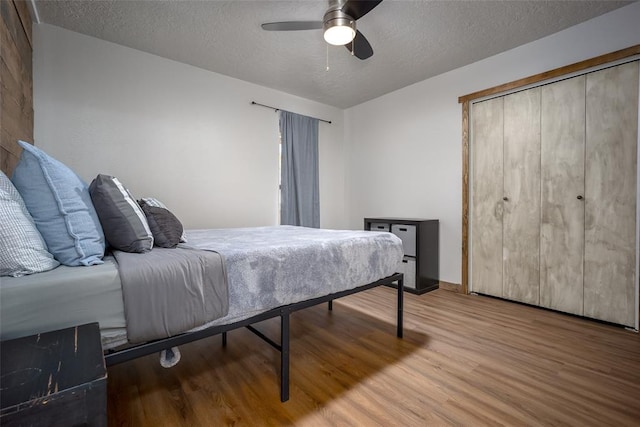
{"x":268,"y":267}
{"x":169,"y":291}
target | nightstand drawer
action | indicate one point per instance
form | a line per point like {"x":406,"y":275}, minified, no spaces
{"x":379,"y":226}
{"x":408,"y":235}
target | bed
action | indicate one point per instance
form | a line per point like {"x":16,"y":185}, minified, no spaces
{"x":270,"y":272}
{"x":157,"y":289}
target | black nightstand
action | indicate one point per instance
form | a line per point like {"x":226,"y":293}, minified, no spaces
{"x":54,"y":379}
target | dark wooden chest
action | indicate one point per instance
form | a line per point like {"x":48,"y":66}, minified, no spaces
{"x":54,"y":379}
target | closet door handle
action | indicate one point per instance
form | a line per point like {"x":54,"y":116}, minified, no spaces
{"x":579,"y":197}
{"x":506,"y":199}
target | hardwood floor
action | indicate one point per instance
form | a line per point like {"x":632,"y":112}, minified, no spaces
{"x":464,"y":360}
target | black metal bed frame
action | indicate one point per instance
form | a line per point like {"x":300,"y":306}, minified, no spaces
{"x":124,"y":355}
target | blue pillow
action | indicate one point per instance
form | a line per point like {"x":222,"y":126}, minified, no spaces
{"x":59,"y":202}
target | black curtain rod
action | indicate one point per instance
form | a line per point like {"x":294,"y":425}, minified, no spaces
{"x":278,"y":109}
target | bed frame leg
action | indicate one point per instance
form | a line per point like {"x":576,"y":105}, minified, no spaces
{"x":284,"y":356}
{"x":330,"y":305}
{"x":224,"y":339}
{"x":400,"y":304}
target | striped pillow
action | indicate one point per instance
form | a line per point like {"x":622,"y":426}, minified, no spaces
{"x":123,"y":222}
{"x":22,"y":249}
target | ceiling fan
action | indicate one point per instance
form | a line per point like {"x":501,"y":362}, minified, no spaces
{"x":339,"y":25}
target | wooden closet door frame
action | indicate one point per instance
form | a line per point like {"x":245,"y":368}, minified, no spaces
{"x":466,"y":102}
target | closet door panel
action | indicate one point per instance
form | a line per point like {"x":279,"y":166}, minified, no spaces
{"x":610,"y":204}
{"x":486,"y":199}
{"x":521,"y":222}
{"x":562,"y":204}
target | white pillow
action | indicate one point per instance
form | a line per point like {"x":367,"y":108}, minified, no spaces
{"x":22,"y":248}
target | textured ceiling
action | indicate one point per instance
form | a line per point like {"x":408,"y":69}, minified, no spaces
{"x":412,"y":40}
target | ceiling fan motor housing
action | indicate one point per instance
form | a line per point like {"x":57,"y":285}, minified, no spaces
{"x":335,"y":18}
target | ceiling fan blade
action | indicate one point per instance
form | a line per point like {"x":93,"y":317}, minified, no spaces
{"x":361,"y":47}
{"x":358,"y":8}
{"x":292,"y":26}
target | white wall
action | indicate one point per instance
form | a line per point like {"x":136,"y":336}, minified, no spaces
{"x":168,"y":130}
{"x":405,"y":148}
{"x":103,"y":108}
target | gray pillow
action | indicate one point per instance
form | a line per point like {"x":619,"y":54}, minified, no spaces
{"x":123,"y":222}
{"x":151,"y":201}
{"x":164,"y":225}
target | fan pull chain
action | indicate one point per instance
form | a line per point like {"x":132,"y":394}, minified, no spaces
{"x":327,"y":56}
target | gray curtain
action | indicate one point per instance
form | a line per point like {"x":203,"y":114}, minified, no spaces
{"x":300,"y":193}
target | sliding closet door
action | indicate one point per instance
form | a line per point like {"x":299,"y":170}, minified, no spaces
{"x":521,"y":221}
{"x":610,"y":199}
{"x":486,"y":204}
{"x":562,"y":199}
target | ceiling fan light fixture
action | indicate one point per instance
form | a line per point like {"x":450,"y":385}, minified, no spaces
{"x":339,"y":28}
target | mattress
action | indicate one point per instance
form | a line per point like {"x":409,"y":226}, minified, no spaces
{"x":61,"y":298}
{"x":267,"y":267}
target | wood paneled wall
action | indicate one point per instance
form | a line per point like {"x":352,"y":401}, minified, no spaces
{"x":16,"y":81}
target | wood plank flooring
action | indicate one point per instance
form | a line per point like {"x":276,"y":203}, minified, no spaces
{"x":464,"y":360}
